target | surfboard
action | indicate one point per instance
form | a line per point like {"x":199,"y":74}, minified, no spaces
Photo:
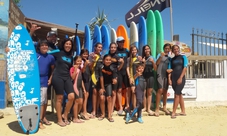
{"x":87,"y":39}
{"x":105,"y":39}
{"x":113,"y":35}
{"x":97,"y":38}
{"x":134,"y":34}
{"x":78,"y":47}
{"x":121,"y":31}
{"x":159,"y":32}
{"x":151,"y":32}
{"x":23,"y":78}
{"x":142,"y":34}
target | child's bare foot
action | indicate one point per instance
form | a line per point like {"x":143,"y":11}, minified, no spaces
{"x":41,"y":126}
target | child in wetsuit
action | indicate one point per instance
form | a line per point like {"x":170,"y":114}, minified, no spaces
{"x":139,"y":91}
{"x":78,"y":86}
{"x":108,"y":78}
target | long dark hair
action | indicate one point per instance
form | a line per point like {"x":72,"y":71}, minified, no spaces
{"x":167,"y":44}
{"x":63,"y":45}
{"x":143,"y":52}
{"x":130,"y":53}
{"x":110,"y":46}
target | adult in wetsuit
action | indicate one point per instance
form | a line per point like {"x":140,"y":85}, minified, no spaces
{"x":148,"y":74}
{"x":62,"y":81}
{"x":139,"y":91}
{"x":96,"y":61}
{"x":117,"y":64}
{"x":178,"y":65}
{"x":122,"y":74}
{"x":108,"y":78}
{"x":162,"y":78}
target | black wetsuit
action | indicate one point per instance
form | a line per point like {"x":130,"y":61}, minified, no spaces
{"x":178,"y":63}
{"x":148,"y":73}
{"x":115,"y":64}
{"x":122,"y":74}
{"x":162,"y":75}
{"x":108,"y":73}
{"x":86,"y":76}
{"x":61,"y":79}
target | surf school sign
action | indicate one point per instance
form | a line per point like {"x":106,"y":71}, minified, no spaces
{"x":142,"y":7}
{"x":189,"y":90}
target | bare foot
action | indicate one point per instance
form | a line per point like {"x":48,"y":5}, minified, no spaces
{"x":78,"y":121}
{"x":41,"y":126}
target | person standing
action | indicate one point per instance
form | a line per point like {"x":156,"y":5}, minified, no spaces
{"x":122,"y":74}
{"x":162,"y":78}
{"x":177,"y":69}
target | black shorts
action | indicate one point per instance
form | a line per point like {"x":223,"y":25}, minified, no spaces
{"x":87,"y":86}
{"x":62,"y":84}
{"x":123,"y":79}
{"x":149,"y":82}
{"x":80,"y":94}
{"x":108,"y":90}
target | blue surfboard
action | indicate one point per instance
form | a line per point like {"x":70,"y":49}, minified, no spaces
{"x":23,"y":77}
{"x":142,"y":34}
{"x":97,"y":38}
{"x":105,"y":39}
{"x":87,"y":39}
{"x":78,"y":47}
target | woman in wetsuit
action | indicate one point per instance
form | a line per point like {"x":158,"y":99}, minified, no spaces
{"x":108,"y":78}
{"x":148,"y":74}
{"x":117,"y":64}
{"x":178,"y":65}
{"x":62,"y":81}
{"x":162,"y":78}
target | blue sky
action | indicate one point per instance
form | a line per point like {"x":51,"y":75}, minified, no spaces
{"x":201,"y":14}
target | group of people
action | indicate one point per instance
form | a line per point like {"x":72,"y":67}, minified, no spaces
{"x":105,"y":75}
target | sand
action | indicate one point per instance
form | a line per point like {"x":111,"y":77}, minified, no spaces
{"x":205,"y":119}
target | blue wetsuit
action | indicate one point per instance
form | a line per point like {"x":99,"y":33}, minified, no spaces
{"x":177,"y":64}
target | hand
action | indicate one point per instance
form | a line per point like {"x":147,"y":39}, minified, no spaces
{"x":131,"y":81}
{"x":7,"y":49}
{"x":163,"y":54}
{"x":75,"y":67}
{"x":49,"y":82}
{"x":179,"y":81}
{"x":169,"y":70}
{"x":140,"y":58}
{"x":87,"y":62}
{"x":121,"y":60}
{"x":33,"y":28}
{"x":114,"y":81}
{"x":139,"y":73}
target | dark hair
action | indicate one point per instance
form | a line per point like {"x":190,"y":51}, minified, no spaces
{"x":96,"y":45}
{"x":107,"y":55}
{"x":111,"y":44}
{"x":139,"y":64}
{"x":83,"y":51}
{"x":143,"y":51}
{"x":63,"y":44}
{"x":40,"y":43}
{"x":77,"y":57}
{"x":167,"y":44}
{"x":175,"y":46}
{"x":130,"y":53}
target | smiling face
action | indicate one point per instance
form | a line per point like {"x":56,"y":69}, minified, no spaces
{"x":176,"y":50}
{"x":113,"y":48}
{"x":167,"y":49}
{"x":147,"y":51}
{"x":84,"y":55}
{"x":43,"y":48}
{"x":134,"y":51}
{"x":98,"y":49}
{"x":140,"y":68}
{"x":68,"y":46}
{"x":78,"y":61}
{"x":107,"y":61}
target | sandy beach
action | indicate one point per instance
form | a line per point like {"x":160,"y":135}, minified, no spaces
{"x":204,"y":119}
